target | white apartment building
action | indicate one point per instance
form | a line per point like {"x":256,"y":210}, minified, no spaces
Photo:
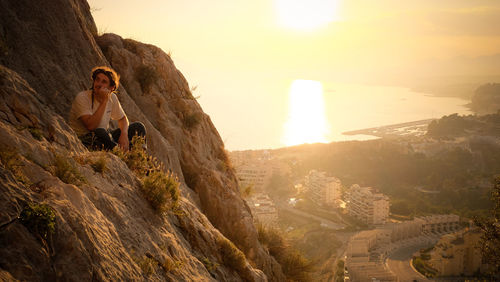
{"x":257,"y":176}
{"x":324,"y":190}
{"x":367,"y":205}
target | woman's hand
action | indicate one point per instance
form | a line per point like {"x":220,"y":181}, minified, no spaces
{"x":123,"y":142}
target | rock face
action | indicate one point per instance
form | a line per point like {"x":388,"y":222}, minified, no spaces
{"x":105,"y":229}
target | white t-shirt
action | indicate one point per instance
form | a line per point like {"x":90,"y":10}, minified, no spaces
{"x":82,"y":105}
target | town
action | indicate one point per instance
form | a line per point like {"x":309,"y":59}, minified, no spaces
{"x":369,"y":243}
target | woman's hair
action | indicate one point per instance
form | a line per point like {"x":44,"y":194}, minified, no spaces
{"x":114,"y":78}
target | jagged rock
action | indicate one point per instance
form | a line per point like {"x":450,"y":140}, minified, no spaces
{"x":105,"y":229}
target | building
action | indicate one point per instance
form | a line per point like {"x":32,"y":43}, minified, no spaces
{"x":457,"y":254}
{"x":358,"y":261}
{"x":406,"y":230}
{"x":324,"y":190}
{"x":444,"y":223}
{"x":263,"y":209}
{"x":367,"y":205}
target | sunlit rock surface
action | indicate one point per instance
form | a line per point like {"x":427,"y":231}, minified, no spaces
{"x":105,"y":230}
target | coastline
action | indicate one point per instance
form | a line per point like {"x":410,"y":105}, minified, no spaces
{"x":412,"y":128}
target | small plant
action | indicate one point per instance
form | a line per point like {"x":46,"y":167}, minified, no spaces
{"x":9,"y":158}
{"x":36,"y":133}
{"x":147,"y":264}
{"x":232,"y":257}
{"x":66,"y":171}
{"x":137,"y":159}
{"x":40,"y":219}
{"x":209,"y":265}
{"x":170,"y":265}
{"x":100,"y":163}
{"x":11,"y":161}
{"x":146,"y":76}
{"x":160,"y":189}
{"x":190,"y":121}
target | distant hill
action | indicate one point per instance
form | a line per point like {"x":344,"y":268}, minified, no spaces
{"x":486,"y":99}
{"x":454,"y":125}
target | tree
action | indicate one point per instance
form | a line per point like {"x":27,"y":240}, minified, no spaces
{"x":490,"y":226}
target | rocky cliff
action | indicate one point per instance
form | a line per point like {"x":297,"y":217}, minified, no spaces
{"x":104,"y":228}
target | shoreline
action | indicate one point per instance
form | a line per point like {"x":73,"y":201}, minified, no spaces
{"x":412,"y":128}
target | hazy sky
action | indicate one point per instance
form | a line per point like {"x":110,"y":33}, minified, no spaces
{"x":244,"y":55}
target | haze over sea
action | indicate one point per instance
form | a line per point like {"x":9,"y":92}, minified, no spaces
{"x":346,"y":107}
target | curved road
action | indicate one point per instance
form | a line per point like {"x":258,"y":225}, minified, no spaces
{"x":399,"y":264}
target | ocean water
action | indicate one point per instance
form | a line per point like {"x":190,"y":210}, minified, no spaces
{"x":351,"y":107}
{"x":257,"y":116}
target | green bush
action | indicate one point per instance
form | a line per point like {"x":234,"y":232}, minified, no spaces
{"x":66,"y":171}
{"x":160,"y":189}
{"x":40,"y":219}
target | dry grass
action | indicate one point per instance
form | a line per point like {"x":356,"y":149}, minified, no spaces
{"x":209,"y":265}
{"x":170,"y":265}
{"x":232,"y":257}
{"x":294,"y":265}
{"x":11,"y":160}
{"x":190,"y":121}
{"x":160,"y":188}
{"x":65,"y":169}
{"x":146,"y":76}
{"x":100,"y":163}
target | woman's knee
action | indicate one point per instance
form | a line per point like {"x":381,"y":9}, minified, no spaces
{"x":137,"y":128}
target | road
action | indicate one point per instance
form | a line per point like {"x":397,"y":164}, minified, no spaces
{"x":399,"y":264}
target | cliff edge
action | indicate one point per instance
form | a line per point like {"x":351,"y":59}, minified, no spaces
{"x":104,"y":229}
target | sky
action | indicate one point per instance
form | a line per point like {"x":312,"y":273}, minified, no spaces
{"x":244,"y":56}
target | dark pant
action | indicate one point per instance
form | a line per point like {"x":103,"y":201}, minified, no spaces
{"x":101,"y":138}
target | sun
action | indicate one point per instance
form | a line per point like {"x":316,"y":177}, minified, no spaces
{"x":306,"y":14}
{"x":307,"y":121}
